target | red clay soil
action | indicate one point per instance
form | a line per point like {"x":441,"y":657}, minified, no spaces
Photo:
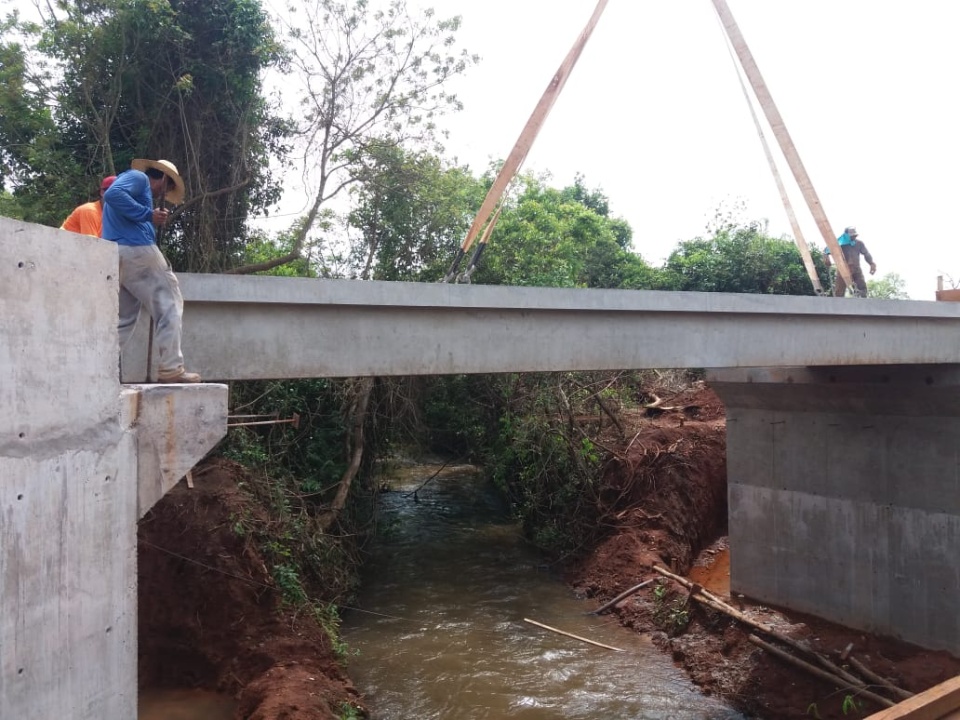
{"x":667,"y":490}
{"x":210,"y":615}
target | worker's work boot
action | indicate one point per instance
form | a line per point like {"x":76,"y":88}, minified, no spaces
{"x":180,"y":376}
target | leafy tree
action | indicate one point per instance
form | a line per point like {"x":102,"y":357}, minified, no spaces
{"x":37,"y":168}
{"x":411,"y":210}
{"x":561,"y":238}
{"x":369,"y":77}
{"x":99,"y":82}
{"x":890,"y":287}
{"x":738,"y":259}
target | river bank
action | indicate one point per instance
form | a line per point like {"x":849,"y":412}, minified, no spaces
{"x":675,"y":474}
{"x":212,"y":616}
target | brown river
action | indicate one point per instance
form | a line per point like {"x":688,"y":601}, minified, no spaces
{"x":440,"y":632}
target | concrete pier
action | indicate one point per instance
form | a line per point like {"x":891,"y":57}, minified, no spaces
{"x":844,"y":494}
{"x":81,"y":459}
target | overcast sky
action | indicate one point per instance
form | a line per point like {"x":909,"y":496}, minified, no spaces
{"x":654,"y":115}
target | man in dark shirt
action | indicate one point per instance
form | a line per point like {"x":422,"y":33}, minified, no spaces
{"x":852,"y":249}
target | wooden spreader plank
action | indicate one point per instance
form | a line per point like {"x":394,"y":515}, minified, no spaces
{"x":941,"y":702}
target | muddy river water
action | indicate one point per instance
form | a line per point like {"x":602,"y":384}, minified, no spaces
{"x":442,"y":631}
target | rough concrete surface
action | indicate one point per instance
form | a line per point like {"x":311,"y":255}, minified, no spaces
{"x":243,"y":328}
{"x":844,"y":496}
{"x":70,"y":471}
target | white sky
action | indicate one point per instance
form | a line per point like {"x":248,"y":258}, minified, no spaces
{"x":654,"y":115}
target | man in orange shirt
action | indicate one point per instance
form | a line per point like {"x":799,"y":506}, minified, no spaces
{"x":87,"y":218}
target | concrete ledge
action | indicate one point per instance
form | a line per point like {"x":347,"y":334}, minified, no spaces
{"x":175,"y":426}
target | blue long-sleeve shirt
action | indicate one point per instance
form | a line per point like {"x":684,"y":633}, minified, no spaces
{"x":128,"y":210}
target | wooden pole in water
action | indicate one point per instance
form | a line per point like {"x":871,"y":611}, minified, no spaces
{"x":570,"y":635}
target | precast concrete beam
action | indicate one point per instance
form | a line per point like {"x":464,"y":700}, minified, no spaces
{"x":243,"y":328}
{"x":175,"y":426}
{"x":844,"y":494}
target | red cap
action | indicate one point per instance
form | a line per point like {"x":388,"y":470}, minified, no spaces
{"x":107,"y":182}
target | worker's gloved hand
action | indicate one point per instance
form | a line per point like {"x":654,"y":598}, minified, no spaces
{"x":873,"y":268}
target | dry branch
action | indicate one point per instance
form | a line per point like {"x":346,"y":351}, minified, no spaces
{"x":622,"y":596}
{"x":712,"y":601}
{"x":873,"y":677}
{"x":822,"y":674}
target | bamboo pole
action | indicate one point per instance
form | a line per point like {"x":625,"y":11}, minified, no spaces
{"x":529,"y":133}
{"x":716,"y":603}
{"x":622,"y":596}
{"x":798,"y":237}
{"x":571,"y":635}
{"x":822,"y":674}
{"x":874,"y":678}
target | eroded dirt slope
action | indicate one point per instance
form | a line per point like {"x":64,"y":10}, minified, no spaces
{"x":210,"y":615}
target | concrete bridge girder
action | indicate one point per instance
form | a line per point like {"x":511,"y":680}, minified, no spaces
{"x":238,"y":328}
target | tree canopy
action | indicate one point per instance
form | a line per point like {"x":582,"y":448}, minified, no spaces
{"x":738,"y":259}
{"x":889,"y":287}
{"x":95,"y":84}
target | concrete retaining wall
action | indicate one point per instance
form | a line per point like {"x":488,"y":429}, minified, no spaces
{"x":67,"y":506}
{"x":75,"y":475}
{"x":844,"y":494}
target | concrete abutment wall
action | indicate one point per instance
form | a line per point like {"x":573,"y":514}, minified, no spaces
{"x":81,"y":459}
{"x":844,"y":494}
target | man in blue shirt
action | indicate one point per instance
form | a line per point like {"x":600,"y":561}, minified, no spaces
{"x":146,"y":278}
{"x":852,"y":248}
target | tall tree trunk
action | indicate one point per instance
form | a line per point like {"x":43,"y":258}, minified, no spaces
{"x":358,"y":409}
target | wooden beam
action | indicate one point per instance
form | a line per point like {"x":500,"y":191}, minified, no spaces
{"x":941,"y":702}
{"x":519,"y":152}
{"x":798,"y":237}
{"x":779,"y":128}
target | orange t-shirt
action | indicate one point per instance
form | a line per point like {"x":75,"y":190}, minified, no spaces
{"x":86,"y":219}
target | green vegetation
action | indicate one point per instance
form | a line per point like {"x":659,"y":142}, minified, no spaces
{"x":851,"y":705}
{"x":741,"y":259}
{"x":350,"y":712}
{"x":670,"y":611}
{"x":890,"y":287}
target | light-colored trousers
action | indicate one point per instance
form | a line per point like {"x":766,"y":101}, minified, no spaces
{"x":147,"y":280}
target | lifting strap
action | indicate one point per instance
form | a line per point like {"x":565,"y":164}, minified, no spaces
{"x":783,"y":138}
{"x":787,"y":205}
{"x":522,"y":147}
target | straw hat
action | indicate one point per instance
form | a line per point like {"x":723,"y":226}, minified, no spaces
{"x":174,"y":196}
